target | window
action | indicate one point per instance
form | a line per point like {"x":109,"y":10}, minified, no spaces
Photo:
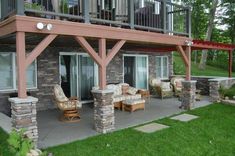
{"x":8,"y":72}
{"x":162,"y":67}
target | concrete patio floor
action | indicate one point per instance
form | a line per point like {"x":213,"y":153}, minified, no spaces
{"x":52,"y":132}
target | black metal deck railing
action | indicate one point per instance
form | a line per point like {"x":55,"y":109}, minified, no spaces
{"x":149,"y":15}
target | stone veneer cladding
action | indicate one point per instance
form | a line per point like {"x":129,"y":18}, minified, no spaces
{"x":48,"y":73}
{"x":24,"y":116}
{"x":215,"y":85}
{"x":188,"y":94}
{"x":103,"y":111}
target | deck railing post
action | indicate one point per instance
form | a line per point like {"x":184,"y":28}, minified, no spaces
{"x":19,"y":7}
{"x":164,"y":16}
{"x":85,"y":11}
{"x":3,"y":4}
{"x":188,"y":21}
{"x":131,"y":13}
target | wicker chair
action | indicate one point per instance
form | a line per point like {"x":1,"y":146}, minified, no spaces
{"x":177,"y":85}
{"x":162,"y":89}
{"x":69,"y":106}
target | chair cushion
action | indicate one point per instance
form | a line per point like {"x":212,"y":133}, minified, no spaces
{"x":131,"y":97}
{"x":133,"y":101}
{"x":155,"y":82}
{"x":178,"y":84}
{"x":166,"y":86}
{"x":59,"y":94}
{"x":115,"y":89}
{"x":132,"y":90}
{"x":118,"y":98}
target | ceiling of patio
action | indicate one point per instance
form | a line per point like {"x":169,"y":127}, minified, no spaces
{"x":69,"y":41}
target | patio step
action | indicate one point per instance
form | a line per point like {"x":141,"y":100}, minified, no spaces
{"x":5,"y":123}
{"x":184,"y":117}
{"x":152,"y":127}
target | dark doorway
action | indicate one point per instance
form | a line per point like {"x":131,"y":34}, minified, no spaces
{"x":129,"y":70}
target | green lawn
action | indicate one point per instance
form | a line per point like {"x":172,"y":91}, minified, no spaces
{"x":179,"y":69}
{"x":4,"y":148}
{"x":213,"y":134}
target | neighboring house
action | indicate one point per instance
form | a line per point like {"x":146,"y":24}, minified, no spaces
{"x":65,"y":62}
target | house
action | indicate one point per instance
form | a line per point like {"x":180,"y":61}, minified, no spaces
{"x":84,"y":43}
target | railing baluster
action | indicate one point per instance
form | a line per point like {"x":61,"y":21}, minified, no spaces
{"x":86,"y":10}
{"x":188,"y":23}
{"x":164,"y":16}
{"x":131,"y":13}
{"x":19,"y":7}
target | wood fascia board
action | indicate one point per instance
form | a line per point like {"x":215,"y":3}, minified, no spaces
{"x":181,"y":51}
{"x":203,"y":46}
{"x":39,"y":49}
{"x":28,"y":24}
{"x":7,"y":26}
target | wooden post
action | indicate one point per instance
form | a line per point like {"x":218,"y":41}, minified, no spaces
{"x":230,"y":52}
{"x":186,"y":56}
{"x":21,"y":64}
{"x":102,"y":59}
{"x":188,"y":67}
{"x":102,"y":67}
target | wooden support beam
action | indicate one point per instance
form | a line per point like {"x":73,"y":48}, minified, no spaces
{"x":100,"y":58}
{"x":21,"y":64}
{"x":181,"y":51}
{"x":86,"y":46}
{"x":39,"y":49}
{"x":114,"y":51}
{"x":102,"y":67}
{"x":27,"y":24}
{"x":230,"y":52}
{"x":188,"y":67}
{"x":102,"y":49}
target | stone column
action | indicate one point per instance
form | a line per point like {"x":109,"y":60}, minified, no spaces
{"x":188,"y":94}
{"x":214,"y":90}
{"x":24,"y":116}
{"x":103,"y":110}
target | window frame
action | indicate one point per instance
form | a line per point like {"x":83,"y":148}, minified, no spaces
{"x":162,"y":66}
{"x":14,"y":74}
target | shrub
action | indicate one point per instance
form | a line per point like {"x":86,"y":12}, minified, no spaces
{"x":19,"y":142}
{"x":230,"y":92}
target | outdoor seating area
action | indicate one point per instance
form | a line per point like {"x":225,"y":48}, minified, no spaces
{"x":69,"y":106}
{"x":165,"y":89}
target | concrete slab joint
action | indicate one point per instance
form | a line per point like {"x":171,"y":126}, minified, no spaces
{"x":103,"y":110}
{"x":24,"y":116}
{"x":188,"y":94}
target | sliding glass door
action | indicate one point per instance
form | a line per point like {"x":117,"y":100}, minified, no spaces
{"x":78,"y":74}
{"x":136,"y":71}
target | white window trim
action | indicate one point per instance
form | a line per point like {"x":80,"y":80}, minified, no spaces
{"x":136,"y":55}
{"x":161,"y":77}
{"x":14,"y":89}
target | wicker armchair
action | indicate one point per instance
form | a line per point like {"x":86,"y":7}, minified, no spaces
{"x":69,"y":106}
{"x":162,"y":89}
{"x":177,"y":85}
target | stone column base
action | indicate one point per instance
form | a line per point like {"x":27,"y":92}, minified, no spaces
{"x":188,"y":94}
{"x":214,"y":90}
{"x":24,"y":116}
{"x":103,"y":110}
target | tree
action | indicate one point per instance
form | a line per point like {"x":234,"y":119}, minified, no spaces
{"x":210,"y":27}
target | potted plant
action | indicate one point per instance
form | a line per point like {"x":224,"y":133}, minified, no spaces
{"x":33,"y":6}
